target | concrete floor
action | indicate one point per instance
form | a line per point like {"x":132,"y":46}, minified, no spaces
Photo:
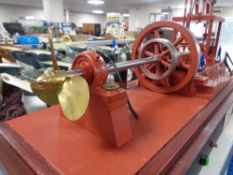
{"x":33,"y":103}
{"x":218,"y":157}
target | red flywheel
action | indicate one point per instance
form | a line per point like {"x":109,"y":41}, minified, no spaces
{"x":178,"y":54}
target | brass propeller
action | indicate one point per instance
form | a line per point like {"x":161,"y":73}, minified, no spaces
{"x":48,"y":86}
{"x":74,"y":97}
{"x":55,"y":87}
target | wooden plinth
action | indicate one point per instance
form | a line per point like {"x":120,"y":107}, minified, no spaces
{"x":45,"y":142}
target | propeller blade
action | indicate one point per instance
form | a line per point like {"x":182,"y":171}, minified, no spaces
{"x":48,"y":86}
{"x":74,"y":97}
{"x":46,"y":92}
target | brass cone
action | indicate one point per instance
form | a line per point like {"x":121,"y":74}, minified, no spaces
{"x":74,"y":97}
{"x":48,"y":86}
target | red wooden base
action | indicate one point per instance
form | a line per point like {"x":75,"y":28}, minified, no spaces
{"x":167,"y":127}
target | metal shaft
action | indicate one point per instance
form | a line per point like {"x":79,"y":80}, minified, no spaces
{"x":121,"y":66}
{"x":129,"y":64}
{"x":101,"y":43}
{"x":126,"y":64}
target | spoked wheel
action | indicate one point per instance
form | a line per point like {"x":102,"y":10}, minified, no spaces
{"x":166,"y":55}
{"x":177,"y":53}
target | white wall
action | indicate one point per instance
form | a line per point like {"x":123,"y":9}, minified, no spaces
{"x":226,"y":12}
{"x":80,"y":18}
{"x":9,"y":12}
{"x":53,"y":10}
{"x":177,"y":12}
{"x":139,"y":15}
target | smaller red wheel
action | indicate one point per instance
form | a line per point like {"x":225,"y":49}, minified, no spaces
{"x":94,"y":69}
